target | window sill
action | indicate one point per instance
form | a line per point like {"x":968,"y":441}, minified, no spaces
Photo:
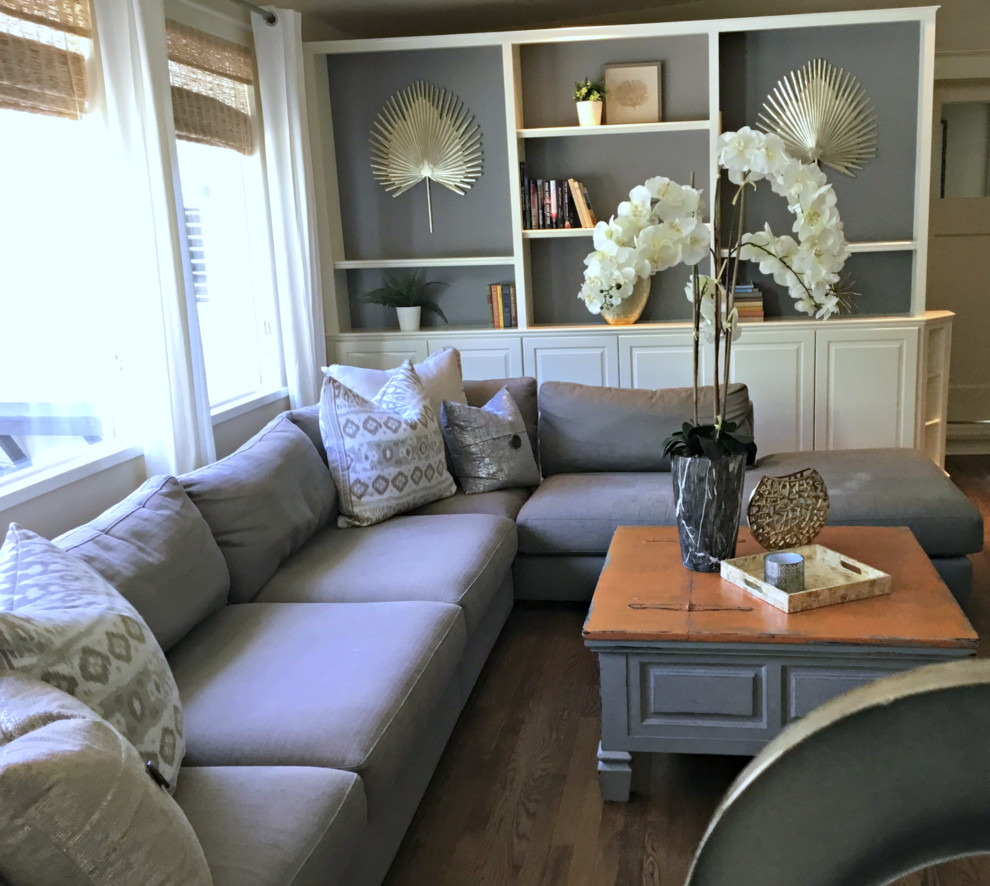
{"x":244,"y":405}
{"x":99,"y":457}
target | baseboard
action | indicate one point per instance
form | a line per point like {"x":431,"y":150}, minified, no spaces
{"x":967,"y":438}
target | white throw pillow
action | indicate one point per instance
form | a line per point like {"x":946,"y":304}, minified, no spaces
{"x":78,"y":804}
{"x":440,"y":374}
{"x":61,"y":622}
{"x":386,"y":455}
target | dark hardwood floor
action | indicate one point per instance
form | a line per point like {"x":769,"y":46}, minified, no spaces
{"x":515,"y":798}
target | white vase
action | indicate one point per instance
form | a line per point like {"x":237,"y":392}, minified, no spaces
{"x":408,"y":318}
{"x":589,"y":113}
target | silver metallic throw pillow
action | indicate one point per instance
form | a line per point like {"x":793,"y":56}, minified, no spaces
{"x":489,"y":448}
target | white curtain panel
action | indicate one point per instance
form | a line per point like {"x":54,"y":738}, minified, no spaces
{"x":168,"y":409}
{"x":281,"y":83}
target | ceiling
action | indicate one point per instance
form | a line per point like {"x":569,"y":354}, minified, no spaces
{"x":327,"y":19}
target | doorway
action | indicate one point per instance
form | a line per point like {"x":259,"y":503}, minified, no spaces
{"x":959,"y":253}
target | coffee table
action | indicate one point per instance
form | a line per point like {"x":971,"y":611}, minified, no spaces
{"x":694,"y":664}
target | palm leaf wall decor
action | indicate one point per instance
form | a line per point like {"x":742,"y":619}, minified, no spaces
{"x":425,"y":132}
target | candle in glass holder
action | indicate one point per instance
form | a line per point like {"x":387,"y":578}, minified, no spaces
{"x":784,"y":570}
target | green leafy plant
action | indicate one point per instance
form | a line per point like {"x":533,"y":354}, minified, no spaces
{"x":711,"y":441}
{"x":589,"y":90}
{"x":409,"y":291}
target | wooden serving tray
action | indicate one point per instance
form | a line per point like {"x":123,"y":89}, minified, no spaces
{"x":829,"y":577}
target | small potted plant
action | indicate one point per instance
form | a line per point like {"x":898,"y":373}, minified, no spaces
{"x":408,"y":295}
{"x":589,"y":95}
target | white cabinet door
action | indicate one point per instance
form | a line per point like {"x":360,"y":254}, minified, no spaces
{"x":494,"y":356}
{"x":778,"y":367}
{"x":865,"y":387}
{"x":657,"y":360}
{"x":584,"y":359}
{"x":380,"y":353}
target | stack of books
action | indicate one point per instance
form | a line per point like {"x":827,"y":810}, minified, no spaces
{"x":502,"y":300}
{"x":749,"y":301}
{"x":554,"y":203}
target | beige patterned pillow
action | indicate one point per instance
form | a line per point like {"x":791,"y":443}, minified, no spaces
{"x":440,"y":375}
{"x":78,"y":806}
{"x":386,"y":455}
{"x":62,"y":623}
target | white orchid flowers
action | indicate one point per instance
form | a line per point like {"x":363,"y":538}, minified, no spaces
{"x":660,"y":226}
{"x":809,"y":266}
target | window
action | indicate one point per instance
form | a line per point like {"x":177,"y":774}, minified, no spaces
{"x":224,"y":213}
{"x":56,"y":326}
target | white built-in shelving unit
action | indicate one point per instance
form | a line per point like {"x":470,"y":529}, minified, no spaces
{"x":875,"y":378}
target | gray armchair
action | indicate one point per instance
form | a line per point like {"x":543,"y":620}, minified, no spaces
{"x":879,"y":782}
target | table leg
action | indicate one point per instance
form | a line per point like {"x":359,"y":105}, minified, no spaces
{"x":614,"y":774}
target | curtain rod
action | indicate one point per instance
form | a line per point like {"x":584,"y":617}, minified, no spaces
{"x":270,"y":17}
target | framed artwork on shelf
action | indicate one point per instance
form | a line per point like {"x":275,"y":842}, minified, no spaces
{"x":633,"y":93}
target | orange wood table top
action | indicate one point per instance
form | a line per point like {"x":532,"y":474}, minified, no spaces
{"x":646,"y":594}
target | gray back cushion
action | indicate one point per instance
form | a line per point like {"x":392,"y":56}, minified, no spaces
{"x":522,"y":389}
{"x":307,"y":419}
{"x":584,"y":428}
{"x":155,"y":548}
{"x":263,"y":502}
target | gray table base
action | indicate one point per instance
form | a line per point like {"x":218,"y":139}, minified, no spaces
{"x":731,"y":698}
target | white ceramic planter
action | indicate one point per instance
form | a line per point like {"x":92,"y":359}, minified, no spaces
{"x":408,"y":318}
{"x":589,"y":113}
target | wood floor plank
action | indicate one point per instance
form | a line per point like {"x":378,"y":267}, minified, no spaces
{"x":515,"y":799}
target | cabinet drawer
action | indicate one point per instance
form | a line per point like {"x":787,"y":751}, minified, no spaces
{"x":668,"y":698}
{"x":807,"y":688}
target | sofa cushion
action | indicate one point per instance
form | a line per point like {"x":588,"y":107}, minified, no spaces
{"x":500,"y":503}
{"x":155,"y":548}
{"x":61,"y":622}
{"x":440,"y":374}
{"x":386,"y":455}
{"x":78,"y":804}
{"x":579,"y":513}
{"x":887,"y":487}
{"x":584,"y":428}
{"x":262,"y":502}
{"x":307,"y":419}
{"x":488,"y":445}
{"x":460,"y":560}
{"x":260,"y":825}
{"x":338,"y":685}
{"x":523,"y":391}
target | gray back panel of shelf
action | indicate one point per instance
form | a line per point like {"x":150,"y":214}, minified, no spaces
{"x":549,"y":71}
{"x":557,"y":272}
{"x":464,"y":300}
{"x":882,"y":279}
{"x":383,"y":226}
{"x":611,"y":165}
{"x":878,"y":204}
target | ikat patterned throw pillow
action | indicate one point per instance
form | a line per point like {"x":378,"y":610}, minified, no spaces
{"x":386,"y":455}
{"x":62,"y":623}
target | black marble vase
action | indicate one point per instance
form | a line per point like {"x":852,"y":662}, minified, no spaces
{"x":708,"y":498}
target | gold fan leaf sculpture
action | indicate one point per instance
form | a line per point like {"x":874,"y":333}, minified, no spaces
{"x":424,"y":132}
{"x":823,"y":114}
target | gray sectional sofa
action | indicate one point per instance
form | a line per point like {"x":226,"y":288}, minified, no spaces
{"x":322,"y":670}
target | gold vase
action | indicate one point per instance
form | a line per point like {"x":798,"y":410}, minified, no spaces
{"x":629,"y":309}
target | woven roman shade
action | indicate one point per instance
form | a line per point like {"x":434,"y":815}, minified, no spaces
{"x":210,"y":80}
{"x":44,"y":45}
